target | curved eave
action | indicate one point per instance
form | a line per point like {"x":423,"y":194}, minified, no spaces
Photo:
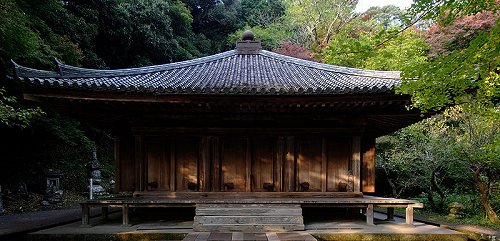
{"x":227,"y":73}
{"x":55,"y":83}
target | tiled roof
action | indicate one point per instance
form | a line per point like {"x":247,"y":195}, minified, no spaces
{"x":225,"y":73}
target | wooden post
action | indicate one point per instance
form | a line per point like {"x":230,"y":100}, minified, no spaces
{"x":140,"y":165}
{"x":289,"y":165}
{"x":324,"y":166}
{"x":369,"y":214}
{"x":204,"y":168}
{"x":118,"y":181}
{"x":356,"y":163}
{"x":390,"y":214}
{"x":248,"y":164}
{"x":104,"y":213}
{"x":125,"y":215}
{"x":409,"y":214}
{"x":85,"y":214}
{"x":172,"y":166}
{"x":279,"y":164}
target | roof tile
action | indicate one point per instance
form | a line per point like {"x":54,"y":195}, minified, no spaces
{"x":225,"y":73}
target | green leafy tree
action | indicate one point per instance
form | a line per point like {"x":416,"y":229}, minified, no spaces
{"x":369,"y":42}
{"x":13,"y":115}
{"x":317,"y":21}
{"x":465,"y":66}
{"x":262,"y":12}
{"x":270,"y":37}
{"x":418,"y":157}
{"x":477,"y":138}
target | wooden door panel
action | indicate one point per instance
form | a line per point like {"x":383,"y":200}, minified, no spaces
{"x":338,"y":156}
{"x":158,"y":165}
{"x":309,"y":157}
{"x":234,"y":158}
{"x":263,"y":166}
{"x":186,"y":164}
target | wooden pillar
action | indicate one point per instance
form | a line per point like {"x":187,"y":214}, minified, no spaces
{"x":104,"y":213}
{"x":390,"y":214}
{"x":125,"y":215}
{"x":368,"y":165}
{"x":280,"y":156}
{"x":172,"y":165}
{"x":369,"y":214}
{"x":356,"y":163}
{"x":248,"y":165}
{"x":140,"y":165}
{"x":324,"y":167}
{"x":409,"y":214}
{"x":204,"y":165}
{"x":85,"y":214}
{"x":289,"y":165}
{"x":118,"y":181}
{"x":216,"y":164}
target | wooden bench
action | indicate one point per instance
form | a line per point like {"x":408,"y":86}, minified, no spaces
{"x":305,"y":199}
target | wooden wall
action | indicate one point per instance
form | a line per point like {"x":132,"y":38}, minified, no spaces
{"x":245,"y":163}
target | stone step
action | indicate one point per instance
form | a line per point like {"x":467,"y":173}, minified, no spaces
{"x":249,"y":236}
{"x":249,"y":219}
{"x":251,"y":210}
{"x":248,"y":227}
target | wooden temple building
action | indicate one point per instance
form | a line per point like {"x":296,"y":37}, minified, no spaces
{"x":246,"y":126}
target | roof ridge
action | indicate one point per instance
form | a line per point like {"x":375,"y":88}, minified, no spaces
{"x":334,"y":68}
{"x":73,"y":71}
{"x":22,"y":71}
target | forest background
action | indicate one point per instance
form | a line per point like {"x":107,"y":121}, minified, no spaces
{"x":447,"y":51}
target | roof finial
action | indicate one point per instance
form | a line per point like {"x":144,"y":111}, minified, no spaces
{"x":247,"y":35}
{"x":247,"y":44}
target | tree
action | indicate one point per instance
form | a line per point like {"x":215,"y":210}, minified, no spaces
{"x":215,"y":19}
{"x":464,"y":71}
{"x":262,"y":12}
{"x":270,"y":37}
{"x":295,"y":50}
{"x":369,"y":42}
{"x":468,"y":67}
{"x":418,"y":157}
{"x":478,"y":148}
{"x":317,"y":20}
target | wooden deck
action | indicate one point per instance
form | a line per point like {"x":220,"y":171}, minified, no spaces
{"x":302,"y":199}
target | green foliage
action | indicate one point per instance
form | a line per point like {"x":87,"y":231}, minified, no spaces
{"x":12,"y":115}
{"x":262,"y":12}
{"x":270,"y":37}
{"x":318,"y":21}
{"x":459,"y":77}
{"x":364,"y":50}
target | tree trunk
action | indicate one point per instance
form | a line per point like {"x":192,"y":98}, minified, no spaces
{"x":393,"y":188}
{"x":430,"y":198}
{"x":484,"y":194}
{"x":436,"y":187}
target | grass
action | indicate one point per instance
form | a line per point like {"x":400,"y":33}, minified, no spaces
{"x":31,"y":202}
{"x":475,"y":220}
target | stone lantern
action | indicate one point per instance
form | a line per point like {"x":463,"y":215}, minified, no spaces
{"x":95,"y":175}
{"x":53,"y":190}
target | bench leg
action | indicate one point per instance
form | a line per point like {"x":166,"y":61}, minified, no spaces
{"x":104,"y":213}
{"x":390,"y":214}
{"x":369,"y":214}
{"x":85,"y":215}
{"x":409,"y":215}
{"x":125,"y":215}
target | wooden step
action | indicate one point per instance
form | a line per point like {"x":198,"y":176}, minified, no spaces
{"x":239,"y":236}
{"x":248,"y":217}
{"x":248,"y":209}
